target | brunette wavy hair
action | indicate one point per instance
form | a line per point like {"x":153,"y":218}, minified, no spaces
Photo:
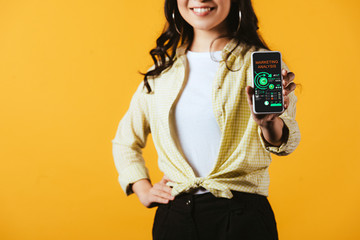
{"x":163,"y":54}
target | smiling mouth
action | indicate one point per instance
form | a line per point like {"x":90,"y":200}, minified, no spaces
{"x":202,"y":11}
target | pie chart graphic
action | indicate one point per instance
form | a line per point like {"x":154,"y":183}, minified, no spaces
{"x":261,"y":80}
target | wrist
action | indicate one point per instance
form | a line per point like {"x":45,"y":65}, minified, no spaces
{"x":271,"y":124}
{"x":141,"y":187}
{"x":273,"y":131}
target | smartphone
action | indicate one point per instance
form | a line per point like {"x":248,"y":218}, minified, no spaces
{"x":267,"y":82}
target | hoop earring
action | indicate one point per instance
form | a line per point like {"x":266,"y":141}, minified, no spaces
{"x":173,"y":17}
{"x":239,"y":22}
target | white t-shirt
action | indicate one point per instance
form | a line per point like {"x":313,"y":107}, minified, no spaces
{"x":197,"y":130}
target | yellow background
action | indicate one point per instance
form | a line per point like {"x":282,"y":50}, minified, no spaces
{"x":68,"y":70}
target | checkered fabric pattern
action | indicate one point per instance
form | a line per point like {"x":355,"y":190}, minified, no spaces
{"x":244,"y":157}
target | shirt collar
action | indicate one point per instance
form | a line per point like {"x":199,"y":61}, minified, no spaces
{"x":181,"y":50}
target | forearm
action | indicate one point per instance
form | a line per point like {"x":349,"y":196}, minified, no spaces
{"x":274,"y":132}
{"x":141,"y":187}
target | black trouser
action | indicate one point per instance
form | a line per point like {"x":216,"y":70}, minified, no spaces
{"x":246,"y":216}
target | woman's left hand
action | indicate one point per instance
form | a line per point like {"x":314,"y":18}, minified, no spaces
{"x":263,"y":120}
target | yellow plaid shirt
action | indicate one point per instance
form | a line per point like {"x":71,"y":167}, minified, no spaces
{"x":244,"y":157}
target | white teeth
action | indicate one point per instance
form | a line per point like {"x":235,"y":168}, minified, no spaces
{"x":201,"y":10}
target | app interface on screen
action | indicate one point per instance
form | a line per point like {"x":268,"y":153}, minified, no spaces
{"x":267,"y":82}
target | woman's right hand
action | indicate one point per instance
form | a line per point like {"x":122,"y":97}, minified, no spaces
{"x":150,"y":195}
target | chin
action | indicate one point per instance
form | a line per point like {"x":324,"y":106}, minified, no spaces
{"x":203,"y":27}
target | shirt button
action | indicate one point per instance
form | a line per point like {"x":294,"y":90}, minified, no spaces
{"x":218,"y":86}
{"x":219,"y":113}
{"x":188,"y":202}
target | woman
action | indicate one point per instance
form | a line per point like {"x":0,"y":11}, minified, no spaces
{"x":196,"y":101}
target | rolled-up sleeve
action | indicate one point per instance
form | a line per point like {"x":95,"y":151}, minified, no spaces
{"x":130,"y":139}
{"x":288,"y":117}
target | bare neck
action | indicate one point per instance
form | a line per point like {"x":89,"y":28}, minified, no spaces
{"x":203,"y":38}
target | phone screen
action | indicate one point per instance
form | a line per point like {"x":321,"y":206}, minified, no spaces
{"x":267,"y":79}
